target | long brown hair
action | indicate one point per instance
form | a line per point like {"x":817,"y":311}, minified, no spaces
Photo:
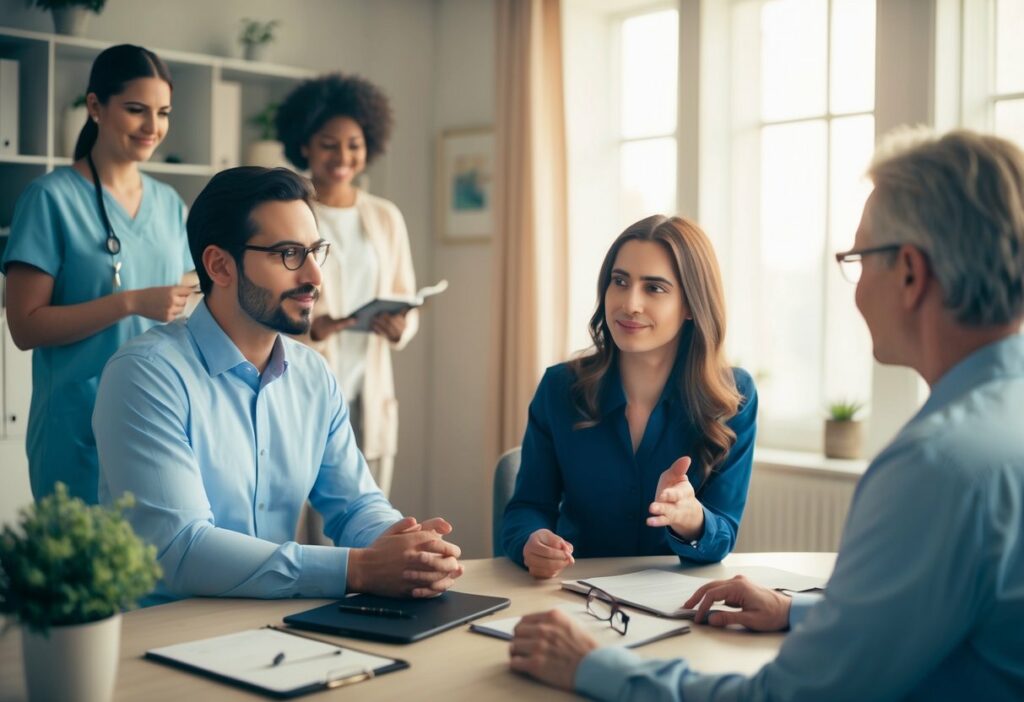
{"x":706,"y":384}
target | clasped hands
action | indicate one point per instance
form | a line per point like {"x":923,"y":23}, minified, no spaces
{"x":410,"y":559}
{"x":549,"y":646}
{"x":675,"y":506}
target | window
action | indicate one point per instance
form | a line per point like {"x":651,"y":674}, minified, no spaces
{"x":621,"y":83}
{"x":648,"y":61}
{"x":1008,"y":97}
{"x":803,"y":110}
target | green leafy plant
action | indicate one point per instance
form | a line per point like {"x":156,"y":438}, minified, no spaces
{"x":94,"y":5}
{"x":68,"y":563}
{"x":255,"y":32}
{"x":844,"y":410}
{"x":264,"y":121}
{"x":79,"y":101}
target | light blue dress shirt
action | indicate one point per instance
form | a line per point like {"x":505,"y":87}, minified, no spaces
{"x":927,"y":598}
{"x":221,"y":460}
{"x":57,"y":228}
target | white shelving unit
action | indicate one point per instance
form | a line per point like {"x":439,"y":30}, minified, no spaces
{"x":52,"y":71}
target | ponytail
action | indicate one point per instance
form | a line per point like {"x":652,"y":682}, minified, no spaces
{"x":86,"y":138}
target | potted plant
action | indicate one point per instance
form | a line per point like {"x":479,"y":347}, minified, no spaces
{"x":74,"y":119}
{"x":266,"y":151}
{"x":844,"y":435}
{"x":256,"y":37}
{"x":70,"y":16}
{"x":67,"y":570}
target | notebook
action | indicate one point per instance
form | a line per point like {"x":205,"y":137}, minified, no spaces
{"x":419,"y":618}
{"x":275,"y":662}
{"x":393,"y":305}
{"x":642,"y":629}
{"x":662,"y":592}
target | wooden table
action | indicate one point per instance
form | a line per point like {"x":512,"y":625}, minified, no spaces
{"x":455,"y":665}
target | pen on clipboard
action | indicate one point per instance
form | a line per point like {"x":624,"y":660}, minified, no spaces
{"x":375,"y":611}
{"x":279,"y":659}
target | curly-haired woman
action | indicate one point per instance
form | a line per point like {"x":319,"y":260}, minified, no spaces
{"x":335,"y":125}
{"x":644,"y":445}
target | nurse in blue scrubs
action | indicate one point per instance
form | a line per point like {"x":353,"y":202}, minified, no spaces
{"x":97,"y":255}
{"x":643,"y":446}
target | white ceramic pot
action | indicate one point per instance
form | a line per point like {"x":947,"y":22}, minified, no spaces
{"x":255,"y":52}
{"x":266,"y":153}
{"x":71,"y":20}
{"x":74,"y":120}
{"x":75,"y":663}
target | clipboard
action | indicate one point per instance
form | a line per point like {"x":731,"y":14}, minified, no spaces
{"x":276,"y":662}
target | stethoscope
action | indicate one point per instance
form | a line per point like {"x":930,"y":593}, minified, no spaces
{"x":113,"y":244}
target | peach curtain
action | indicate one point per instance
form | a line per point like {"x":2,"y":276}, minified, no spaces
{"x":531,"y":227}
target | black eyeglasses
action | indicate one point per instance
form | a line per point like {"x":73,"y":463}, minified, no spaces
{"x":293,"y":256}
{"x":603,"y":607}
{"x":850,"y":261}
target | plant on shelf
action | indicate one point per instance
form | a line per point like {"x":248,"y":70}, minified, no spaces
{"x":256,"y":36}
{"x":844,"y":435}
{"x":844,"y":410}
{"x":67,"y":570}
{"x":265,"y":151}
{"x":264,"y":121}
{"x":69,"y":16}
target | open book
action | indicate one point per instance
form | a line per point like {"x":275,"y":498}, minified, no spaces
{"x":642,"y":629}
{"x":663,"y":592}
{"x":392,"y":305}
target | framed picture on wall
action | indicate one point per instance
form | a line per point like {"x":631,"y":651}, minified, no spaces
{"x":465,"y":187}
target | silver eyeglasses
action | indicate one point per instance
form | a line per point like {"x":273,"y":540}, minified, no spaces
{"x":604,"y":607}
{"x":850,"y":262}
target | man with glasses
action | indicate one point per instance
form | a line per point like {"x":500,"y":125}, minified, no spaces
{"x":222,"y":427}
{"x":927,"y":597}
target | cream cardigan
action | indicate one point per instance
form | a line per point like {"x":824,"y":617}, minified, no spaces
{"x":385,"y":228}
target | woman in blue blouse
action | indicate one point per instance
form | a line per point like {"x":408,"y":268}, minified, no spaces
{"x":644,"y":445}
{"x":97,"y":255}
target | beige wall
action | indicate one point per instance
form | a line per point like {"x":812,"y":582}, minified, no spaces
{"x":459,"y":484}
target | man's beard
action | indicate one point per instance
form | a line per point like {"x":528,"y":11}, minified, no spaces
{"x":257,"y":303}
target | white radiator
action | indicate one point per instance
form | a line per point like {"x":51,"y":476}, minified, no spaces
{"x":793,"y":508}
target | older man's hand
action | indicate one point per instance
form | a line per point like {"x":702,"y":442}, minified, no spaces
{"x":549,"y":646}
{"x":761,"y":609}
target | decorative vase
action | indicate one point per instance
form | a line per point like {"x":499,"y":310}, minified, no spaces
{"x":76,"y":663}
{"x":843,"y":439}
{"x":266,"y":153}
{"x":74,"y":120}
{"x":70,"y":20}
{"x":256,"y":52}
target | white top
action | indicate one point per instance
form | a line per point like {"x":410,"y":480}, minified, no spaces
{"x":350,"y":281}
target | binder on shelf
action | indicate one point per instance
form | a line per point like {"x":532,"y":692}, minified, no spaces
{"x":8,"y":107}
{"x":227,"y":122}
{"x":276,"y":662}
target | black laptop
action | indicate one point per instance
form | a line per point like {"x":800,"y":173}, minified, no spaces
{"x":395,"y":620}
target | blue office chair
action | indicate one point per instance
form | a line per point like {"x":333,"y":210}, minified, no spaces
{"x":504,"y":485}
